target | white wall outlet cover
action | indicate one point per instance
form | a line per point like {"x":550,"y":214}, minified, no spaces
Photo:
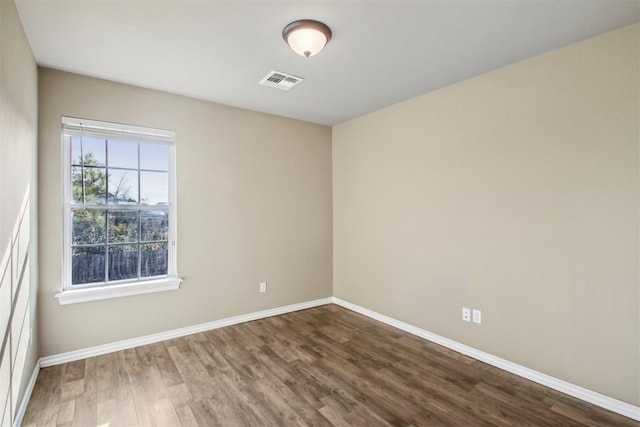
{"x":477,"y":316}
{"x":263,"y":286}
{"x":466,"y":314}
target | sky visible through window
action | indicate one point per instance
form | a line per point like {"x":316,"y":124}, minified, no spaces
{"x":136,"y":173}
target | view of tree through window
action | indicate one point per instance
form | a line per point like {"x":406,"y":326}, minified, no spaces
{"x":119,"y":209}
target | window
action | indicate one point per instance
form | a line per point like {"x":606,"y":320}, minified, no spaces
{"x":119,"y":197}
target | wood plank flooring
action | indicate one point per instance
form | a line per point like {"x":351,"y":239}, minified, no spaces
{"x":324,"y":366}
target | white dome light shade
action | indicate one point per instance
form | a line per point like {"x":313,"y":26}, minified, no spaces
{"x":306,"y":37}
{"x":306,"y":42}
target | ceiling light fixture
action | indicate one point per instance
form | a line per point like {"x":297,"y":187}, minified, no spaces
{"x":306,"y":37}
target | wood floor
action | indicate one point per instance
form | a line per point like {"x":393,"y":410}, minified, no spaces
{"x":323,"y":366}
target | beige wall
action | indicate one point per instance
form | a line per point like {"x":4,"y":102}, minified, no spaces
{"x":516,"y":193}
{"x":18,"y":121}
{"x":254,"y":204}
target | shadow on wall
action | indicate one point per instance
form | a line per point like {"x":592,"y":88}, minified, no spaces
{"x":14,"y":309}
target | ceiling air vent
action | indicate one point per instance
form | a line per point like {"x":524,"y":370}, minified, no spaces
{"x":280,"y":80}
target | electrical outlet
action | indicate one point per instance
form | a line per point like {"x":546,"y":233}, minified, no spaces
{"x":263,"y":287}
{"x":477,"y":316}
{"x":466,"y":314}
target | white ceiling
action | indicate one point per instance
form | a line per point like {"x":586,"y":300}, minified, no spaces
{"x":382,"y":52}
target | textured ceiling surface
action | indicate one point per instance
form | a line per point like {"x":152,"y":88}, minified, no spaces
{"x":382,"y":52}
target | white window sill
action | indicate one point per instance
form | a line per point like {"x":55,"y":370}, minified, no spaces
{"x":115,"y":291}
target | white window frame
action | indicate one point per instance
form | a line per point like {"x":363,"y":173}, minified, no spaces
{"x":71,"y":294}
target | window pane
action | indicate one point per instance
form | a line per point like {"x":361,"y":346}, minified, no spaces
{"x":76,"y":184}
{"x":123,"y":186}
{"x":154,"y":156}
{"x":76,"y":150}
{"x":94,"y":151}
{"x":123,"y":154}
{"x":87,"y":265}
{"x":154,"y":257}
{"x":111,"y":236}
{"x":123,"y":226}
{"x":88,"y":226}
{"x":154,"y":225}
{"x":123,"y":262}
{"x":95,"y":180}
{"x":154,"y":188}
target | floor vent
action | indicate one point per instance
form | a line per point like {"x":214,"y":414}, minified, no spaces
{"x":280,"y":80}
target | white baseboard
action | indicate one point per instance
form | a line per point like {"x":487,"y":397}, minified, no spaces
{"x":606,"y":402}
{"x":175,"y":333}
{"x":27,"y":396}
